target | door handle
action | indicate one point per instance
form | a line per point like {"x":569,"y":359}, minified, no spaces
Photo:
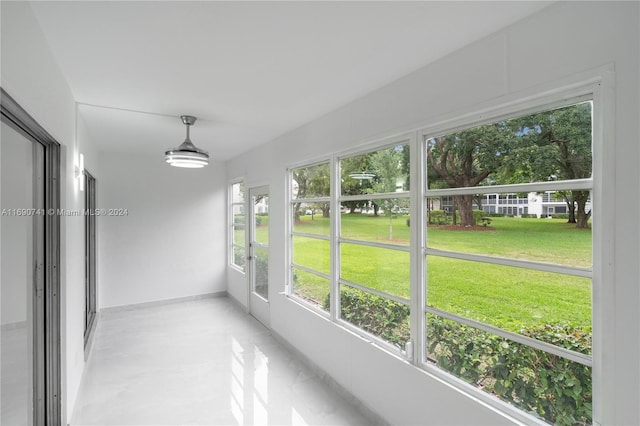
{"x":249,"y":257}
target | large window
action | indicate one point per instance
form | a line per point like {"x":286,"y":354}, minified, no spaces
{"x":237,"y":226}
{"x":487,"y":277}
{"x":508,"y":295}
{"x":310,"y":216}
{"x":374,"y":271}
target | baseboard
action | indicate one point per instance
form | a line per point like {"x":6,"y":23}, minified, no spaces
{"x":374,"y":418}
{"x":135,"y":306}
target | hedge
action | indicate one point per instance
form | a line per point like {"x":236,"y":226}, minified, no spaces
{"x":548,"y":386}
{"x":377,"y":315}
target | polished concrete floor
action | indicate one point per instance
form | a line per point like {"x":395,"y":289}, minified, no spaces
{"x":200,"y":362}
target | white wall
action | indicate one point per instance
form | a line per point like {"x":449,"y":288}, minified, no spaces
{"x":553,"y":46}
{"x":30,"y":74}
{"x":172,"y":243}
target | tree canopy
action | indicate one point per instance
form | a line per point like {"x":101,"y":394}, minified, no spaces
{"x":550,"y":145}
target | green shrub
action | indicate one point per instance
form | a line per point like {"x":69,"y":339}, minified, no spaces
{"x":262,"y":274}
{"x":527,"y":215}
{"x":238,"y":257}
{"x":560,"y":216}
{"x":238,"y":221}
{"x":477,"y":217}
{"x":438,"y":217}
{"x":554,"y":388}
{"x":378,"y":315}
{"x":551,"y":387}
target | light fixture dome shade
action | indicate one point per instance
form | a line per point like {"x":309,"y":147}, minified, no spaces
{"x":187,"y":154}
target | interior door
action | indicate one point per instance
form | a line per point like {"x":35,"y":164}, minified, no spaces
{"x":258,"y":257}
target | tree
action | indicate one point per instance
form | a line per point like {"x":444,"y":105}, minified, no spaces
{"x":554,"y":145}
{"x":350,"y":167}
{"x":313,"y":181}
{"x":466,"y":159}
{"x":388,"y":167}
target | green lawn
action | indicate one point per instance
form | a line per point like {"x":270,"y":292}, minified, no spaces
{"x":504,"y":296}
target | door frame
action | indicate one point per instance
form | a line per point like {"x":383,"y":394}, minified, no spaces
{"x":46,"y":343}
{"x":257,"y":305}
{"x":90,"y":237}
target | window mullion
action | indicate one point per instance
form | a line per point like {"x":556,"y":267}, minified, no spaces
{"x":334,"y":232}
{"x":417,"y":260}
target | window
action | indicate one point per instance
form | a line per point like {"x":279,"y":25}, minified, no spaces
{"x":490,"y":282}
{"x":237,"y":225}
{"x":374,"y":255}
{"x":310,"y":216}
{"x":515,"y":293}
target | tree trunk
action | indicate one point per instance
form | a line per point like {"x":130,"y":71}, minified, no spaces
{"x":571,"y":207}
{"x":296,"y":209}
{"x":325,"y":210}
{"x":583,"y":216}
{"x":465,"y":206}
{"x":375,"y":209}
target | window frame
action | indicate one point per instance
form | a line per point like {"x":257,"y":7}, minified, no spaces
{"x":596,"y":85}
{"x":90,"y":229}
{"x":407,"y":139}
{"x":289,"y":286}
{"x":231,"y":225}
{"x":555,"y":98}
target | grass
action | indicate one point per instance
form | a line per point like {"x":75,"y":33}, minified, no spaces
{"x":504,"y":296}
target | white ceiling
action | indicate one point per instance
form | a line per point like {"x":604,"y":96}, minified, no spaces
{"x":250,"y":71}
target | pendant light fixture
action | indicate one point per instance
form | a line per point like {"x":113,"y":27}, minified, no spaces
{"x":187,"y":154}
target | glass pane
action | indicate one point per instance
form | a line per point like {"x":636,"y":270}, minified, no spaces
{"x":387,"y":221}
{"x":261,"y":279}
{"x":312,"y":253}
{"x":553,"y":388}
{"x":239,"y":224}
{"x":513,"y":299}
{"x":530,"y":226}
{"x":386,"y":170}
{"x":22,"y":220}
{"x":311,"y":218}
{"x":550,"y":145}
{"x":237,"y":195}
{"x":385,"y":270}
{"x":312,"y":288}
{"x":239,"y":256}
{"x":310,"y":182}
{"x":378,"y":315}
{"x":261,"y":211}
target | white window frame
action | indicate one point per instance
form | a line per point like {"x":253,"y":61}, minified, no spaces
{"x":337,"y":197}
{"x":597,"y":85}
{"x":230,"y":225}
{"x":291,"y":233}
{"x":590,"y":90}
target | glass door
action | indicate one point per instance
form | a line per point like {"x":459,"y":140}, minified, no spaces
{"x":259,"y":254}
{"x":29,"y":270}
{"x":22,"y":278}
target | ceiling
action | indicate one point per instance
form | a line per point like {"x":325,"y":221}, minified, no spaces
{"x":250,"y":71}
